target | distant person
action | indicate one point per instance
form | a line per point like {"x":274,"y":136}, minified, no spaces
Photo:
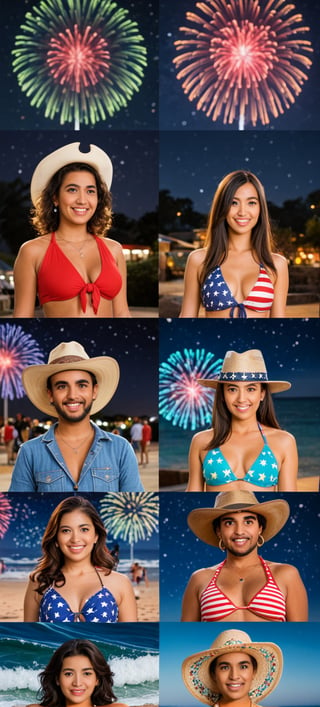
{"x":145,"y":441}
{"x":115,"y":553}
{"x":74,"y":454}
{"x":73,"y":268}
{"x":9,"y":436}
{"x":136,"y":434}
{"x":139,"y":574}
{"x":237,"y":274}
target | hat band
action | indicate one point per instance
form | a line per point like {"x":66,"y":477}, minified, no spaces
{"x":234,"y":506}
{"x":67,"y":359}
{"x":242,"y":375}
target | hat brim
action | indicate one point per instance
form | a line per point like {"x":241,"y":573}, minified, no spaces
{"x":68,"y":154}
{"x":276,"y":513}
{"x":274,"y":386}
{"x":197,"y":678}
{"x":105,"y":368}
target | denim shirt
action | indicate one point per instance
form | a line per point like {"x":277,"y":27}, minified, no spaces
{"x":110,"y":465}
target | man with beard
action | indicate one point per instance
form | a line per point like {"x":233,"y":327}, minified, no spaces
{"x":75,"y":455}
{"x":244,"y":587}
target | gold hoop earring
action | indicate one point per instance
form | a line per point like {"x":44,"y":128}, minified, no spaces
{"x":222,"y":546}
{"x":261,"y":538}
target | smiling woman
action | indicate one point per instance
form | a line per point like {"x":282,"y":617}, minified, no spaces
{"x":75,"y":580}
{"x":245,"y":445}
{"x":71,"y":266}
{"x":254,"y":280}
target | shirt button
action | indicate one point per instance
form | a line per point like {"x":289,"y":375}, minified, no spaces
{"x":75,"y":487}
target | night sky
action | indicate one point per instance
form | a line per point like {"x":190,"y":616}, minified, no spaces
{"x":192,"y":165}
{"x":17,"y":114}
{"x":182,"y":552}
{"x":134,"y":155}
{"x":133,"y":343}
{"x":178,"y":113}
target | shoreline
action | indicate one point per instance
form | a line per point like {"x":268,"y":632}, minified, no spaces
{"x":12,"y":595}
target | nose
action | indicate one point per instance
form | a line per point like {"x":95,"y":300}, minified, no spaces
{"x":77,"y":679}
{"x":242,"y":394}
{"x":81,"y":196}
{"x":233,"y":672}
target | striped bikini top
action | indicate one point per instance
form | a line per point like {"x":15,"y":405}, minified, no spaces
{"x":264,"y":471}
{"x":268,"y":603}
{"x":216,"y":295}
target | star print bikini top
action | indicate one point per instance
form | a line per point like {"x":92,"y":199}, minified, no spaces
{"x":101,"y":607}
{"x":216,"y":295}
{"x":59,"y":280}
{"x":268,"y":603}
{"x":264,"y":471}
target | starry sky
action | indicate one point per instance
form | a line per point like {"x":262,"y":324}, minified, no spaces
{"x":133,"y":343}
{"x":178,"y":113}
{"x":182,"y":552}
{"x":29,"y":518}
{"x":192,"y":165}
{"x":299,"y":643}
{"x":141,"y":112}
{"x":134,"y":155}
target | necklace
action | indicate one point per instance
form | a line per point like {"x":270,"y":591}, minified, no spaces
{"x":74,"y":245}
{"x":74,"y":449}
{"x":255,"y":564}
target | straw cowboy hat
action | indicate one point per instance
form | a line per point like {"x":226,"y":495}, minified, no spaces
{"x":71,"y":356}
{"x":196,"y":668}
{"x":275,"y":512}
{"x":68,"y":154}
{"x":247,"y":366}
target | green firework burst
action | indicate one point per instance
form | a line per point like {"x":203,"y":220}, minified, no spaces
{"x":80,"y":59}
{"x":130,"y":516}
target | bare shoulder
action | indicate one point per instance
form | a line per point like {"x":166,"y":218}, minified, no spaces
{"x":196,"y":257}
{"x":280,"y":263}
{"x":35,"y":247}
{"x":200,"y":578}
{"x":284,"y":438}
{"x":201,"y":439}
{"x":114,"y":246}
{"x":281,"y":569}
{"x":115,"y":579}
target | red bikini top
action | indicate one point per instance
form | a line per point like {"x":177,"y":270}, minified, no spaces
{"x":59,"y":280}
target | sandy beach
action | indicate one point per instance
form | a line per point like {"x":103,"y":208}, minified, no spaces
{"x":12,"y":595}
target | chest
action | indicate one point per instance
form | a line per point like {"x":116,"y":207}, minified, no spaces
{"x":241,"y":589}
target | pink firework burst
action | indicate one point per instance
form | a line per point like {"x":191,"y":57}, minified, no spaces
{"x":5,"y":514}
{"x":243,"y":60}
{"x":78,"y":60}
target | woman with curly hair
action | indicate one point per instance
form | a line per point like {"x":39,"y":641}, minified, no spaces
{"x":77,"y":674}
{"x":74,"y":579}
{"x":71,"y":266}
{"x":236,"y":274}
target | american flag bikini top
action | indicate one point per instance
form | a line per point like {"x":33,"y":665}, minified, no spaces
{"x":216,"y":295}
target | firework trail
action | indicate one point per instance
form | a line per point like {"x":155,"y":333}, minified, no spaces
{"x":182,"y":400}
{"x":17,"y":350}
{"x":82,"y":59}
{"x":130,"y":516}
{"x":5,"y":514}
{"x":244,"y":59}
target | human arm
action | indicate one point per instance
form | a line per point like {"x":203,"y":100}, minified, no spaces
{"x":289,"y":465}
{"x":297,"y":598}
{"x":22,"y":476}
{"x":119,"y":302}
{"x":191,"y":296}
{"x":129,"y":479}
{"x":31,"y":602}
{"x":281,"y":286}
{"x":195,"y":482}
{"x":127,"y":604}
{"x":191,"y":599}
{"x":25,"y":281}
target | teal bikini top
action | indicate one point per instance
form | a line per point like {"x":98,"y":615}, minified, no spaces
{"x":264,"y":471}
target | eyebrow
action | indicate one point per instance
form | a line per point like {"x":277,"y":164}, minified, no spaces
{"x":81,"y":525}
{"x":250,"y":516}
{"x":82,"y":669}
{"x":80,"y":380}
{"x":74,"y":184}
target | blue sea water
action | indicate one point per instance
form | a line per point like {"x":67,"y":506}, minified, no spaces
{"x":300,"y":416}
{"x":131,"y":651}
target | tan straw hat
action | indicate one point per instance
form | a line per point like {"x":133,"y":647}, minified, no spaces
{"x":196,"y":668}
{"x":275,"y":512}
{"x":65,"y":155}
{"x":71,"y":356}
{"x":247,"y":366}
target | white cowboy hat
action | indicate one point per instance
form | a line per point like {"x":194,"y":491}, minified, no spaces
{"x":248,"y":366}
{"x":71,"y":356}
{"x":68,"y":154}
{"x":200,"y":682}
{"x":275,"y":512}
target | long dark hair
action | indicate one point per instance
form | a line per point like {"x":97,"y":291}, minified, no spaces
{"x":51,"y":694}
{"x":45,"y":219}
{"x":49,"y":568}
{"x":221,"y":416}
{"x":217,"y":231}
